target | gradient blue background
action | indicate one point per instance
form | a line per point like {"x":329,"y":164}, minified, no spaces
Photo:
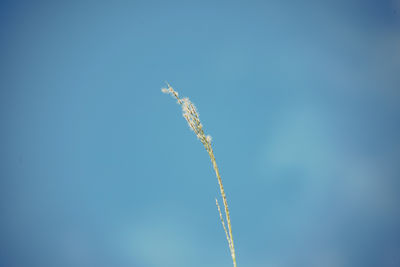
{"x":98,"y":167}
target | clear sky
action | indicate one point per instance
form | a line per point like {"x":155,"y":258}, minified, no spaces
{"x":98,"y":167}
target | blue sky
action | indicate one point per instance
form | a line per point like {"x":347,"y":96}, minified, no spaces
{"x":98,"y":167}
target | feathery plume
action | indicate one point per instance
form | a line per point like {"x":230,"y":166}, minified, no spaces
{"x":191,"y":115}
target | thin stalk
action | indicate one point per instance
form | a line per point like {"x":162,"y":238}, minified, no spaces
{"x":192,"y":117}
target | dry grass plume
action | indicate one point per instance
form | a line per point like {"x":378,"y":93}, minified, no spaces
{"x":192,"y":117}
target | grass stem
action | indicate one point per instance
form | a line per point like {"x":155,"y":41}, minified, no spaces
{"x":192,"y":117}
